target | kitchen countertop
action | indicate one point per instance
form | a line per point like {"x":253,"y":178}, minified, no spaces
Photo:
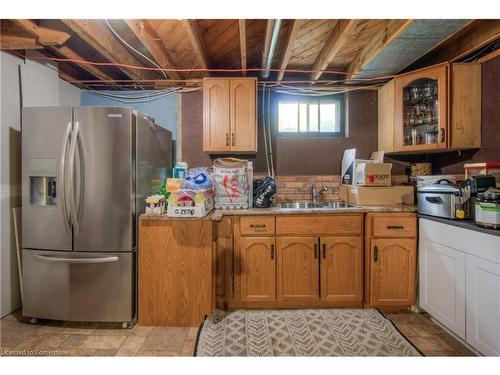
{"x":216,"y":215}
{"x":466,"y":224}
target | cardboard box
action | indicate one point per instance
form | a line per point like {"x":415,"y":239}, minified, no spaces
{"x":377,"y":195}
{"x":372,"y":174}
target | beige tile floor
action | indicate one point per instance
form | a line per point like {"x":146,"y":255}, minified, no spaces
{"x":52,"y":338}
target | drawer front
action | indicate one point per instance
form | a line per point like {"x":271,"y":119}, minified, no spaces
{"x":257,"y":225}
{"x":393,"y":226}
{"x":319,"y":225}
{"x":69,"y":285}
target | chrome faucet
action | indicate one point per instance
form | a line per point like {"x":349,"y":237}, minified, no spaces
{"x":315,"y":194}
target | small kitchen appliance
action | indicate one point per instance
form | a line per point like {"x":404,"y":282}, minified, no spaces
{"x":439,"y":199}
{"x":487,"y":209}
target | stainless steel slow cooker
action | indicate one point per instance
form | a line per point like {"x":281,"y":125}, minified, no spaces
{"x":439,"y":199}
{"x":487,"y":209}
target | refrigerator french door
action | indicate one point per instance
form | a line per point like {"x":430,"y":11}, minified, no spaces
{"x":78,"y":213}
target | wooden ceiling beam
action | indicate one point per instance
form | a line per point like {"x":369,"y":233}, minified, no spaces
{"x":200,"y":50}
{"x":69,"y":53}
{"x":98,"y":36}
{"x":150,"y":40}
{"x":243,"y":45}
{"x":377,"y":44}
{"x":14,"y":42}
{"x":333,"y":45}
{"x":44,"y":35}
{"x":293,"y":31}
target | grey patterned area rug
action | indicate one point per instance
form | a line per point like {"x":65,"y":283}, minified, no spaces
{"x":332,"y":332}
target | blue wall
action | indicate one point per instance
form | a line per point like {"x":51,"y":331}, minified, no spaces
{"x":164,"y":110}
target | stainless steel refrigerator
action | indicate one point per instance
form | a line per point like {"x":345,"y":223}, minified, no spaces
{"x":85,"y":174}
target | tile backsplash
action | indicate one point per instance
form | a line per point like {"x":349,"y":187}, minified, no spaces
{"x":298,"y":188}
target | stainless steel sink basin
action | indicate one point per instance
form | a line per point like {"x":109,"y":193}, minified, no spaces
{"x":337,"y":205}
{"x":297,"y":205}
{"x":306,"y":205}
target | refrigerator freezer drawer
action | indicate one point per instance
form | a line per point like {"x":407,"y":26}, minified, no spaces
{"x":77,"y":286}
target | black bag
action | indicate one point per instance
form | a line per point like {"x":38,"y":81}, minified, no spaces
{"x":263,"y":192}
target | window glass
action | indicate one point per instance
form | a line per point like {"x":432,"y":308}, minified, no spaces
{"x":288,"y":116}
{"x":327,"y":113}
{"x":303,"y":117}
{"x":313,"y":117}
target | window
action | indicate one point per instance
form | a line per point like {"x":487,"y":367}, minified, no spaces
{"x":310,"y":116}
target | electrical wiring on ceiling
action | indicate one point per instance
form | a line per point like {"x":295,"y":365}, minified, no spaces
{"x":214,"y":70}
{"x":133,"y":49}
{"x":148,"y":96}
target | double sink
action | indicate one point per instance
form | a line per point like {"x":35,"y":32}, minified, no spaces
{"x":308,"y":205}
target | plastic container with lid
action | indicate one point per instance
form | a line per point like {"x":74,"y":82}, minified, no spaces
{"x":487,"y":209}
{"x":180,"y":169}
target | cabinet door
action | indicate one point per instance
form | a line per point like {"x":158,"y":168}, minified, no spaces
{"x":483,"y":305}
{"x":392,"y":272}
{"x":442,"y":284}
{"x":298,"y":268}
{"x":216,"y":115}
{"x":465,"y":124}
{"x":341,"y":269}
{"x":421,"y":110}
{"x":243,"y":115}
{"x":257,"y":269}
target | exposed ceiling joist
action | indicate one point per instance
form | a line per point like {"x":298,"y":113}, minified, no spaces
{"x":14,"y":42}
{"x":69,"y":53}
{"x":332,"y":46}
{"x":44,"y":35}
{"x":293,"y":30}
{"x":197,"y":42}
{"x":243,"y":45}
{"x":392,"y":29}
{"x":150,"y":40}
{"x":98,"y":36}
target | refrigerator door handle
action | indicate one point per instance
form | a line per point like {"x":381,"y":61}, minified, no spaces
{"x":77,"y":260}
{"x":62,"y":183}
{"x":72,"y":190}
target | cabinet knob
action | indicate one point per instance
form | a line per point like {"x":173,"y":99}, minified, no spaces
{"x":375,"y":254}
{"x":272,"y":251}
{"x":324,"y":251}
{"x":232,"y":139}
{"x":227,"y":139}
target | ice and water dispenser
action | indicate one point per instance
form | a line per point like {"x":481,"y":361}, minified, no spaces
{"x":43,"y":182}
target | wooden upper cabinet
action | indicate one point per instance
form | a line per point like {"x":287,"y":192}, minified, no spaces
{"x":465,"y":126}
{"x":257,"y":269}
{"x":341,"y":269}
{"x":298,"y":268}
{"x":216,"y":115}
{"x":435,"y":108}
{"x":392,"y":271}
{"x":243,"y":115}
{"x":421,"y":115}
{"x":230,"y":115}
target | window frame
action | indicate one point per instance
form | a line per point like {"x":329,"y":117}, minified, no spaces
{"x":339,"y":98}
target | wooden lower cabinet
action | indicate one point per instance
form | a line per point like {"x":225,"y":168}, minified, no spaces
{"x":341,"y":269}
{"x":298,"y":268}
{"x":392,"y":271}
{"x":176,"y":272}
{"x":257,"y":269}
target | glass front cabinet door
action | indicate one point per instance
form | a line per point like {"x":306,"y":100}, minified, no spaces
{"x":421,"y":110}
